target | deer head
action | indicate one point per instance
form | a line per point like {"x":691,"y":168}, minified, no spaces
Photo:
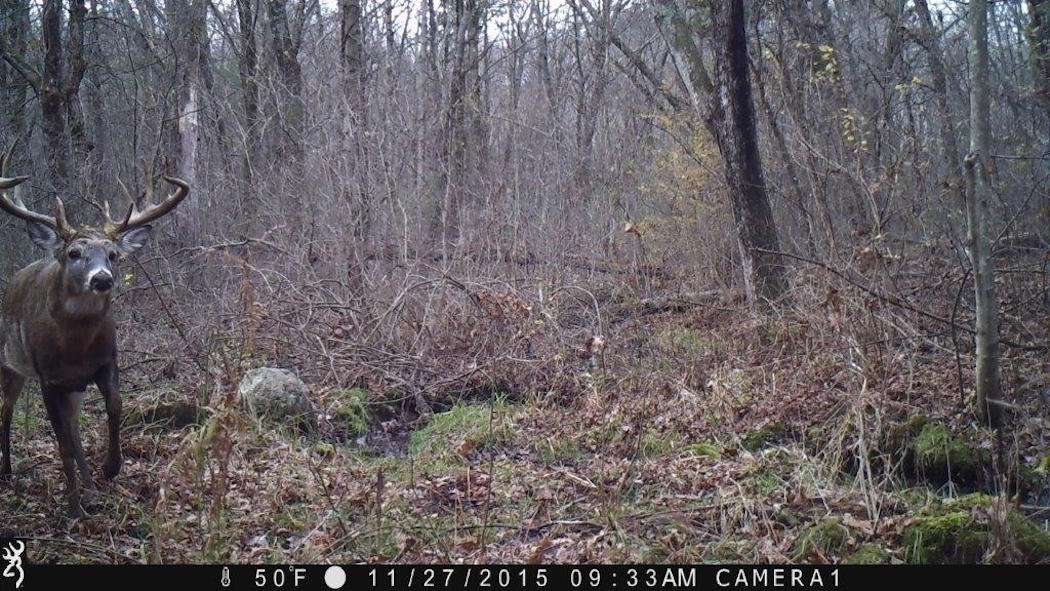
{"x":88,"y":255}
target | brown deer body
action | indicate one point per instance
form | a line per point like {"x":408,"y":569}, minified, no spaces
{"x":56,"y":326}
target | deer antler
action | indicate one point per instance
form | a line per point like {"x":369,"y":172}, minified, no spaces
{"x":152,"y":212}
{"x":9,"y":183}
{"x":19,"y":210}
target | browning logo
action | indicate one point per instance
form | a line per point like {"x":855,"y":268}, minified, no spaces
{"x":11,"y":553}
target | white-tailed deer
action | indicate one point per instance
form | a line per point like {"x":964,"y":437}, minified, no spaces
{"x":56,"y":324}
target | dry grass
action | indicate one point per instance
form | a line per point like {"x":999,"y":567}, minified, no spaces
{"x":698,"y":431}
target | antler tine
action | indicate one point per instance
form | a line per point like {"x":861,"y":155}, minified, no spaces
{"x":127,"y":193}
{"x":61,"y":223}
{"x":17,"y":208}
{"x":5,"y":182}
{"x":12,"y":182}
{"x":5,"y":157}
{"x":153,"y":212}
{"x":131,"y":210}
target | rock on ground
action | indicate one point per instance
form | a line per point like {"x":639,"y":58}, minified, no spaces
{"x":278,"y":395}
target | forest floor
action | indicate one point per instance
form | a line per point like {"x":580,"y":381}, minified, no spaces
{"x":702,"y":432}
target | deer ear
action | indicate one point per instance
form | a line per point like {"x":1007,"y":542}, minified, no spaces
{"x":43,"y":235}
{"x":135,"y":239}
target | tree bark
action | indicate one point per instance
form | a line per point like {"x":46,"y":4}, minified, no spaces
{"x":591,"y":96}
{"x":732,"y":116}
{"x":352,"y":50}
{"x":980,"y":175}
{"x":541,"y":19}
{"x":355,"y":124}
{"x":1039,"y":42}
{"x":466,"y":22}
{"x":286,"y":51}
{"x":14,"y":84}
{"x":189,"y":94}
{"x":247,"y":65}
{"x":52,"y":103}
{"x":98,"y":174}
{"x":934,"y":55}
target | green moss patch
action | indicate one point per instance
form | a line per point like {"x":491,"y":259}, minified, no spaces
{"x":825,"y":538}
{"x":764,"y":481}
{"x":351,"y":413}
{"x":463,"y":429}
{"x":686,"y":340}
{"x":1042,"y":467}
{"x":704,"y":449}
{"x":561,"y":450}
{"x":655,"y":444}
{"x":899,"y":442}
{"x":962,"y":531}
{"x":868,"y":554}
{"x":940,"y":456}
{"x":771,"y":434}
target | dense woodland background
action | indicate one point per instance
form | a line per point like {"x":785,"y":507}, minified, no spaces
{"x":592,"y":280}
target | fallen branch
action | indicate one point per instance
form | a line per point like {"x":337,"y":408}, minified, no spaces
{"x":661,"y":305}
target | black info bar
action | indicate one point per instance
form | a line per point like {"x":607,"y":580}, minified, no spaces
{"x":511,"y":577}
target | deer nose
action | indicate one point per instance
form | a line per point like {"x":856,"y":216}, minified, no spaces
{"x":102,"y":282}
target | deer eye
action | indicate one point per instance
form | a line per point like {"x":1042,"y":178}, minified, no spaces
{"x":73,"y":254}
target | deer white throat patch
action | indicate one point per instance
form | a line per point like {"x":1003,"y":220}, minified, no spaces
{"x":88,"y":304}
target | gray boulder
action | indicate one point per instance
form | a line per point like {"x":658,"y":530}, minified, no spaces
{"x":279,"y":396}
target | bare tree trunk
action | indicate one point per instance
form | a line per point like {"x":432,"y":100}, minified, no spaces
{"x":477,"y":113}
{"x":190,"y":99}
{"x":466,"y":21}
{"x":456,"y":127}
{"x":352,"y":50}
{"x":14,"y":84}
{"x":247,"y":66}
{"x":52,"y":107}
{"x":286,"y":51}
{"x":1039,"y":41}
{"x":388,"y":31}
{"x":541,"y":19}
{"x":733,"y":117}
{"x":16,"y":79}
{"x":62,"y":73}
{"x":980,"y":175}
{"x":435,"y":146}
{"x":949,"y":142}
{"x":591,"y":96}
{"x":790,"y":167}
{"x":688,"y":61}
{"x":175,"y":93}
{"x":75,"y":68}
{"x":355,"y":124}
{"x":98,"y":176}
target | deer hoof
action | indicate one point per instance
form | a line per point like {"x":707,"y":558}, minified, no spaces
{"x":76,"y":510}
{"x":112,"y":467}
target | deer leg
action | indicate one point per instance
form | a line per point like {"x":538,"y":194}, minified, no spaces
{"x":72,"y":403}
{"x":10,"y":387}
{"x":108,"y":382}
{"x":57,"y":411}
